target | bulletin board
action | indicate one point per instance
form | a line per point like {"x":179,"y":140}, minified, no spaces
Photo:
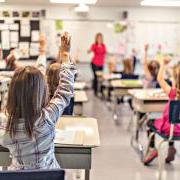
{"x":21,"y":34}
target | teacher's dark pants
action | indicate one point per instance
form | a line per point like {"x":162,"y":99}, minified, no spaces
{"x":95,"y":68}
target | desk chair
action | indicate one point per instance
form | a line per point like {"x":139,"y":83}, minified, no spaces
{"x":32,"y":175}
{"x":174,"y":118}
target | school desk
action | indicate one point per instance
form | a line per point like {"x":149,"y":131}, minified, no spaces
{"x":104,"y":79}
{"x":79,"y":85}
{"x":80,"y":97}
{"x":120,"y":88}
{"x":145,"y":101}
{"x":71,"y":156}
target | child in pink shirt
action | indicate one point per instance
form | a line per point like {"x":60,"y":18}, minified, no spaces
{"x":162,"y":125}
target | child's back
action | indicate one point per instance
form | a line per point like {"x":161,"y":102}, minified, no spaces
{"x":28,"y":130}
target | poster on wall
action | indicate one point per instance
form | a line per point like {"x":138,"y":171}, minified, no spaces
{"x":25,"y":28}
{"x":35,"y":36}
{"x":4,"y":27}
{"x":14,"y":27}
{"x":34,"y":49}
{"x":59,"y":25}
{"x":14,"y":44}
{"x":24,"y":49}
{"x":14,"y":36}
{"x":5,"y":40}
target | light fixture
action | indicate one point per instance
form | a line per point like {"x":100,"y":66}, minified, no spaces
{"x":1,"y":1}
{"x":81,"y":8}
{"x":74,"y":1}
{"x":166,"y":3}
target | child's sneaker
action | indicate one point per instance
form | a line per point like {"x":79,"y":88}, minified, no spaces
{"x":171,"y":154}
{"x":150,"y":156}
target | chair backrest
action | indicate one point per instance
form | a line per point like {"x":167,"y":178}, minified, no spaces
{"x":130,"y":76}
{"x":174,"y":112}
{"x":33,"y":175}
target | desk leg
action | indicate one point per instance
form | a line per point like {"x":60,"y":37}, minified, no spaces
{"x":135,"y":137}
{"x":115,"y":115}
{"x":87,"y":174}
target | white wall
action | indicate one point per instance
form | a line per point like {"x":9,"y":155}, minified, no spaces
{"x":139,"y":15}
{"x":108,"y":13}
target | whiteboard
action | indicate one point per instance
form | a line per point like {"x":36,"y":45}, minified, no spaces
{"x":83,"y":34}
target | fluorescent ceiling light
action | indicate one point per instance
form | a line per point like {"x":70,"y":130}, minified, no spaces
{"x":82,"y":8}
{"x":74,"y":1}
{"x":1,"y":1}
{"x":167,"y":3}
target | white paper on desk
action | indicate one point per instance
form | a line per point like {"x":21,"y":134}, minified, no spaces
{"x":25,"y":30}
{"x":35,"y":36}
{"x":64,"y":137}
{"x":34,"y":49}
{"x":14,"y":27}
{"x":24,"y":49}
{"x":14,"y":36}
{"x":5,"y":40}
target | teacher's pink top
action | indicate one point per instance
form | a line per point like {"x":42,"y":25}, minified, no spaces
{"x":162,"y":125}
{"x":99,"y":54}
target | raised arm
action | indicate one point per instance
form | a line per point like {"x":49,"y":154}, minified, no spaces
{"x":164,"y":85}
{"x":65,"y":89}
{"x":146,"y":69}
{"x":41,"y":61}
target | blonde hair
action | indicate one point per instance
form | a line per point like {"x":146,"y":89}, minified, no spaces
{"x":176,"y":74}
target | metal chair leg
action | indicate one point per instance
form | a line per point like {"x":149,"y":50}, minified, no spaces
{"x":149,"y":140}
{"x":160,"y":160}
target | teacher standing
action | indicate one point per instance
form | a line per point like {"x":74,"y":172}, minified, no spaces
{"x":98,"y":60}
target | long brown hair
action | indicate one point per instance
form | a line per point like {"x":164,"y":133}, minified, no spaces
{"x":154,"y":67}
{"x":97,"y":36}
{"x":52,"y":74}
{"x":128,"y":67}
{"x":28,"y":94}
{"x":176,"y":74}
{"x":11,"y":64}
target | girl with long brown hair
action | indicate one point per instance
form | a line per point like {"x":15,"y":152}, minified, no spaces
{"x":28,"y":127}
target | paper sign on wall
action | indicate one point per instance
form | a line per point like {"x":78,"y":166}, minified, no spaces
{"x":5,"y":40}
{"x":14,"y":36}
{"x":34,"y":49}
{"x":24,"y":49}
{"x":25,"y":29}
{"x":35,"y":36}
{"x":14,"y":27}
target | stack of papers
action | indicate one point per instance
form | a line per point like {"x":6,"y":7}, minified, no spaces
{"x":65,"y":137}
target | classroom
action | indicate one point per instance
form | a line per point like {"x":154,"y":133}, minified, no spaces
{"x":89,"y":89}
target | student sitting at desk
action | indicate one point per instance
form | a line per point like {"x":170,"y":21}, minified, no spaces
{"x":162,"y":125}
{"x":52,"y":74}
{"x":151,"y":70}
{"x":127,"y":72}
{"x":11,"y":61}
{"x":28,"y":127}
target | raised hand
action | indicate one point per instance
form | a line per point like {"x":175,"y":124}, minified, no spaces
{"x":65,"y":42}
{"x":42,"y":43}
{"x":65,"y":47}
{"x":146,"y":47}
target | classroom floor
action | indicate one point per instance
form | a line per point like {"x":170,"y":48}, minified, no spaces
{"x":115,"y":159}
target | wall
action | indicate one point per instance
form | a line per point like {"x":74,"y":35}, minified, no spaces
{"x":140,"y":15}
